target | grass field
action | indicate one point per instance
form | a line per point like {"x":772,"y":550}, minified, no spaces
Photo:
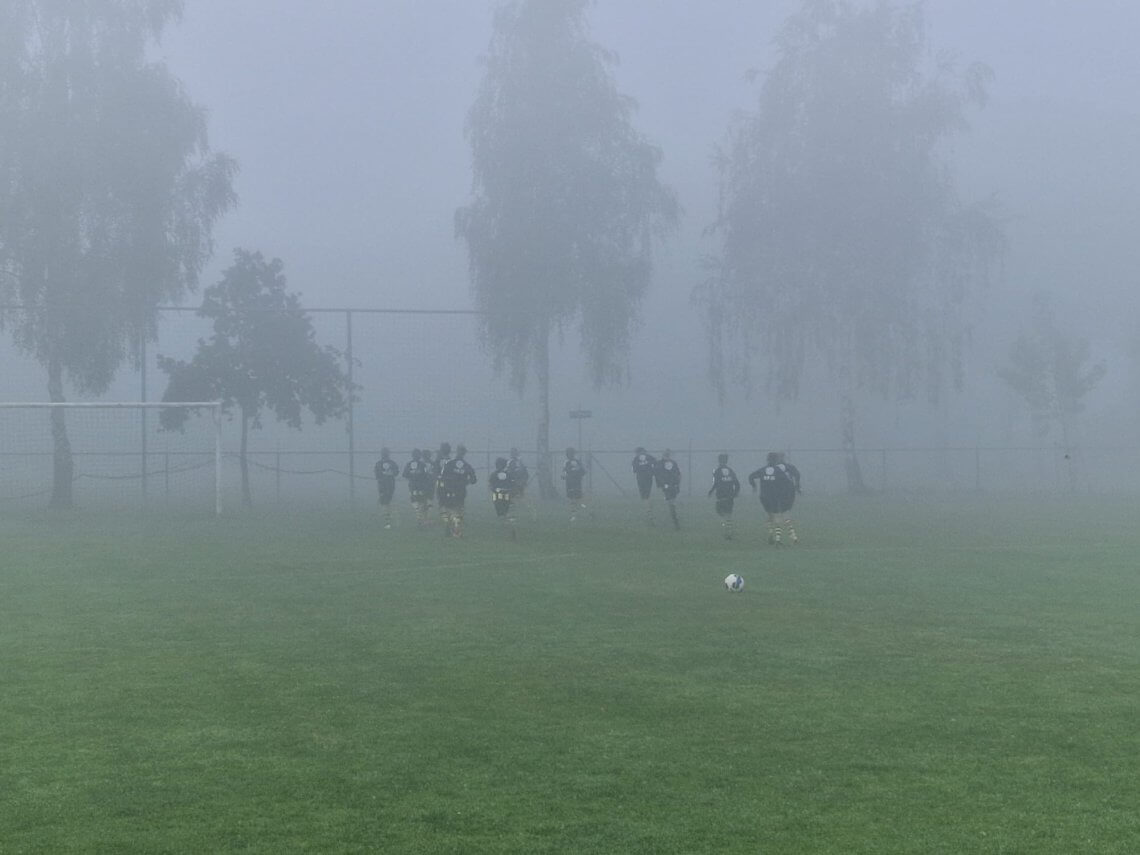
{"x":915,"y":677}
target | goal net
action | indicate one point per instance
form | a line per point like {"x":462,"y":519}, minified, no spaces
{"x":109,"y":456}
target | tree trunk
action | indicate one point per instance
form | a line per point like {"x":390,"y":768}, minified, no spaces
{"x":542,"y":368}
{"x":63,"y":464}
{"x":246,"y":495}
{"x":855,"y":483}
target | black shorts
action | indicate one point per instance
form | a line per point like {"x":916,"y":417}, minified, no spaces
{"x":421,"y":496}
{"x":671,"y":491}
{"x":724,"y":507}
{"x":502,"y":506}
{"x":387,"y":491}
{"x":778,"y":505}
{"x":451,"y":500}
{"x":574,"y":492}
{"x":645,"y":485}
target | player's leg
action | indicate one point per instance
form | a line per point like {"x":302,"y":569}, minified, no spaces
{"x":671,"y":501}
{"x":525,"y":503}
{"x":457,"y":520}
{"x":645,"y":490}
{"x":724,"y":509}
{"x":775,"y":530}
{"x":386,"y":495}
{"x":793,"y":538}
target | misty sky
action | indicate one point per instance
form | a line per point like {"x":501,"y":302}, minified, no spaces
{"x":347,"y":116}
{"x":347,"y":119}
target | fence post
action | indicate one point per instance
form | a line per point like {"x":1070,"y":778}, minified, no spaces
{"x":277,"y":475}
{"x":166,"y":475}
{"x":590,"y":473}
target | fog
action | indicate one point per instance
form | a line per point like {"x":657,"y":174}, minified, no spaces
{"x":347,"y":120}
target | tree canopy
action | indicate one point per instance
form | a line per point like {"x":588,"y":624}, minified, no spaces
{"x":1052,"y":372}
{"x":108,"y":188}
{"x":841,"y":232}
{"x":263,"y":355}
{"x":566,"y":199}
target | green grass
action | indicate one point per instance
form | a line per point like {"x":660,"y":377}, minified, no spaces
{"x":915,"y":677}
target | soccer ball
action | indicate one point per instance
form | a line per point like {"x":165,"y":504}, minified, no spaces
{"x":734,"y":583}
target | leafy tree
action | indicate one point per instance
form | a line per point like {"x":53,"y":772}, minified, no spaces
{"x":263,"y":354}
{"x":842,"y":235}
{"x":566,"y":200}
{"x":108,"y":190}
{"x":1052,"y":372}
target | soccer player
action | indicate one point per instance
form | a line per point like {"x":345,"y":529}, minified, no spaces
{"x":669,"y":483}
{"x":644,"y":468}
{"x":442,"y":458}
{"x":573,"y":473}
{"x":456,"y":476}
{"x":421,"y":481}
{"x":520,"y":477}
{"x":502,"y":492}
{"x":794,"y":474}
{"x":726,"y":486}
{"x":431,"y":477}
{"x":386,"y":471}
{"x":777,"y":493}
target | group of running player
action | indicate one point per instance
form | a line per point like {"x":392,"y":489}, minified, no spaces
{"x":444,"y":477}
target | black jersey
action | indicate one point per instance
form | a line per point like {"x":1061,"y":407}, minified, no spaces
{"x":644,"y":465}
{"x":520,"y":475}
{"x":501,"y":484}
{"x":793,"y":473}
{"x":776,"y":484}
{"x":419,"y":475}
{"x":456,"y":475}
{"x":668,"y":473}
{"x":725,"y":483}
{"x":439,"y":466}
{"x":387,"y":470}
{"x":573,"y":472}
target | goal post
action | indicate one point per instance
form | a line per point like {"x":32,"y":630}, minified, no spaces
{"x":110,"y":455}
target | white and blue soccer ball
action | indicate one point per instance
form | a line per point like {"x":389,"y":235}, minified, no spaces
{"x":734,"y":583}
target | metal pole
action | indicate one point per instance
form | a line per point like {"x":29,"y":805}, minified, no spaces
{"x":690,"y":475}
{"x":351,"y":426}
{"x":142,"y":398}
{"x":218,"y":460}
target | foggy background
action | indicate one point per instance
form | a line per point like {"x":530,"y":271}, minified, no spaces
{"x":347,"y":121}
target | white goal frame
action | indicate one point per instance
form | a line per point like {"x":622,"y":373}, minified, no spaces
{"x":215,"y":408}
